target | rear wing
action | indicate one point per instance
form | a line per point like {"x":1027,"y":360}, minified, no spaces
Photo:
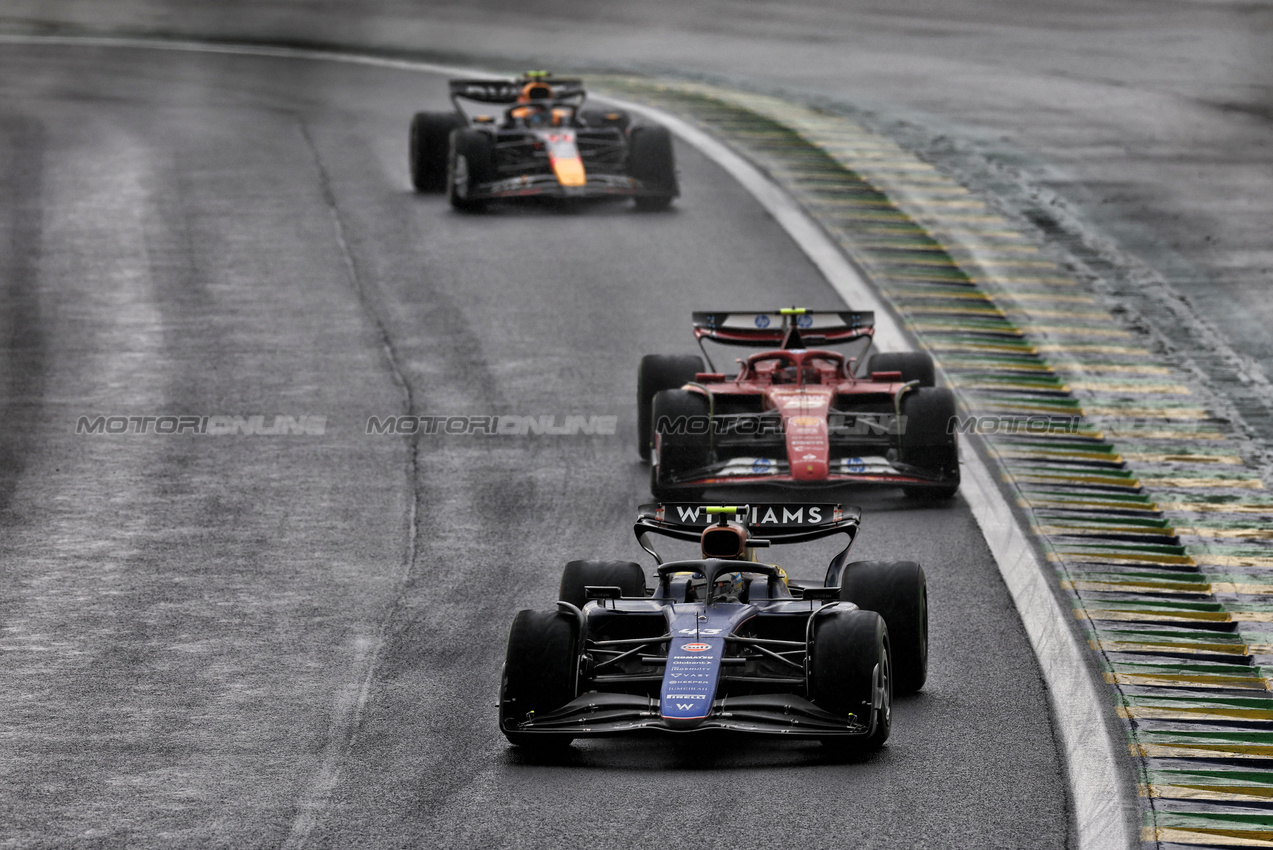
{"x":777,"y":523}
{"x":792,"y":327}
{"x":507,"y":91}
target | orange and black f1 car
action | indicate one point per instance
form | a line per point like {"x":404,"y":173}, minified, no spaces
{"x":796,"y":413}
{"x":543,"y":143}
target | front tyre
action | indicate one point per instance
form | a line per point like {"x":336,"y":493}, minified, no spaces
{"x":659,"y":372}
{"x":898,"y":592}
{"x":429,"y":145}
{"x":929,"y":440}
{"x":541,"y":671}
{"x":469,"y":165}
{"x":682,"y":429}
{"x":651,"y":161}
{"x":850,"y":672}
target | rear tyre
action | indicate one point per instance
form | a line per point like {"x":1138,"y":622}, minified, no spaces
{"x":659,"y":372}
{"x":914,"y":366}
{"x":898,"y":592}
{"x":430,"y":141}
{"x":469,"y":164}
{"x":625,"y":575}
{"x":605,"y":118}
{"x":929,"y":440}
{"x":683,"y":435}
{"x":850,"y":671}
{"x":650,"y":160}
{"x":541,"y":668}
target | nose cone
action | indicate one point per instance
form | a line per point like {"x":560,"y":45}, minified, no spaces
{"x":570,"y":171}
{"x":809,"y":470}
{"x":689,"y":681}
{"x":808,"y":447}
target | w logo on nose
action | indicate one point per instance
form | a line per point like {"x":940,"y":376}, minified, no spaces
{"x":685,"y":706}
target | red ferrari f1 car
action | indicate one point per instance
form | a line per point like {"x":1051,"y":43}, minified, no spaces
{"x":796,"y":413}
{"x":543,"y":144}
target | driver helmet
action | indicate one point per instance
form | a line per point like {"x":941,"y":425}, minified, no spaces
{"x":535,"y":90}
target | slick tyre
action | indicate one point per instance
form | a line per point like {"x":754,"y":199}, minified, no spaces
{"x":650,"y":160}
{"x":914,"y":366}
{"x":659,"y":372}
{"x":429,"y":144}
{"x":683,"y":437}
{"x":541,"y":667}
{"x":469,"y":165}
{"x":898,"y":592}
{"x":929,"y":440}
{"x":625,"y":575}
{"x":850,"y":673}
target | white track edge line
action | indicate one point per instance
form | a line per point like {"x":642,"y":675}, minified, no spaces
{"x":1100,"y":794}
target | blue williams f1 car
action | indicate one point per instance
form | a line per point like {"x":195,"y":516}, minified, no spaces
{"x":722,"y":642}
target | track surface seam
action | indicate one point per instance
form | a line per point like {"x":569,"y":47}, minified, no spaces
{"x":348,"y":708}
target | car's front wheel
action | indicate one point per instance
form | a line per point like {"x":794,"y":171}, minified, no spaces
{"x":659,"y":372}
{"x":429,"y":143}
{"x":929,"y":440}
{"x":469,"y":165}
{"x":541,"y":670}
{"x":682,"y":427}
{"x":850,"y":673}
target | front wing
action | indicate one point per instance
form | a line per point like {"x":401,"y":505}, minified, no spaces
{"x":548,"y":186}
{"x":607,"y":714}
{"x":763,"y":470}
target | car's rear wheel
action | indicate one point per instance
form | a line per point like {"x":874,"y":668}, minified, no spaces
{"x":659,"y":372}
{"x":469,"y":165}
{"x":898,"y":592}
{"x":683,"y":434}
{"x":850,"y":672}
{"x":650,"y":160}
{"x":541,"y":668}
{"x":625,"y":575}
{"x":914,"y":366}
{"x":605,"y":118}
{"x":429,"y":143}
{"x":929,"y":440}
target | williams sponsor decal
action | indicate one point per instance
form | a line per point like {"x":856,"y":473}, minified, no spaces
{"x":761,"y":515}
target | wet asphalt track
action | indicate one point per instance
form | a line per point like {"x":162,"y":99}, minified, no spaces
{"x":295,"y":640}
